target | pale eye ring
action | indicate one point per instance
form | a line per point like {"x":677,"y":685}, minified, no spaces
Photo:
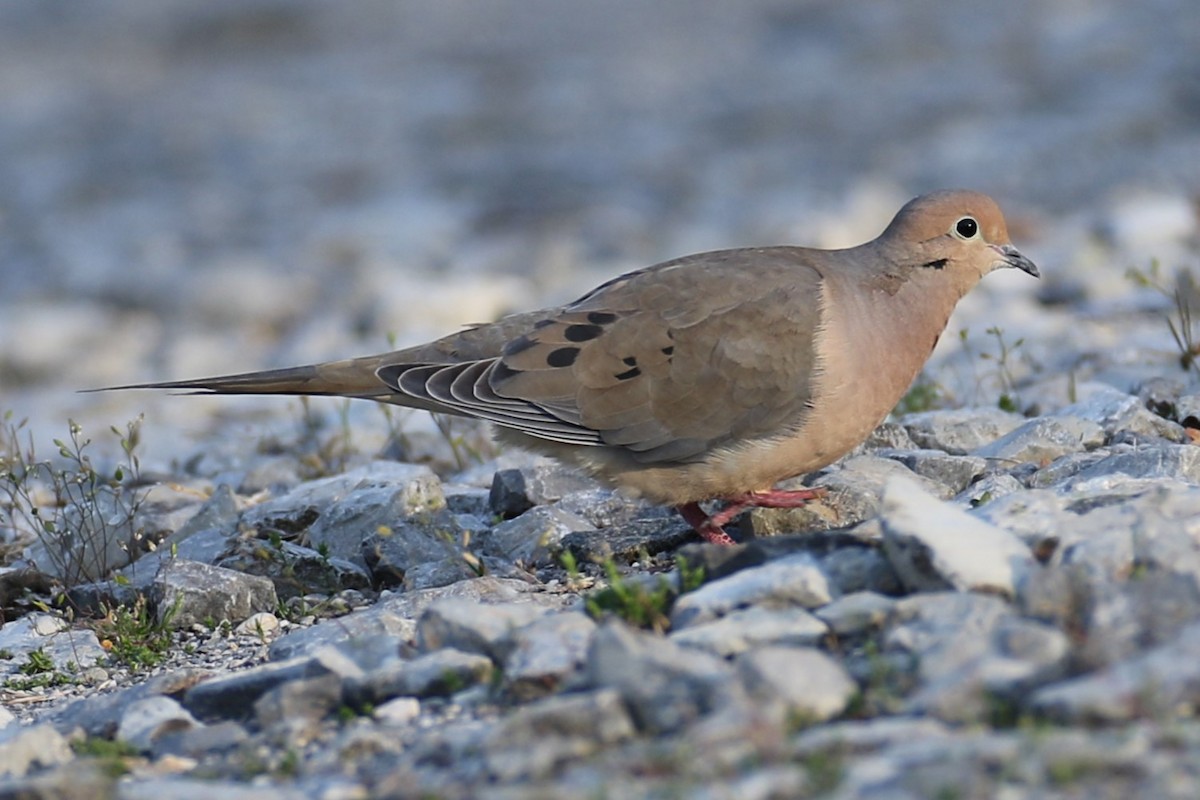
{"x":967,"y":228}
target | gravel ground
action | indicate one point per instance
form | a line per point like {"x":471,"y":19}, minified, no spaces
{"x":188,"y":190}
{"x":194,"y":189}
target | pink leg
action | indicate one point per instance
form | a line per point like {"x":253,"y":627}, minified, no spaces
{"x":778,"y":498}
{"x":712,"y":533}
{"x":723,"y":517}
{"x":711,"y":528}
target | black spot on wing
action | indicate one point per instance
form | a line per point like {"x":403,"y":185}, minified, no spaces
{"x":601,"y":317}
{"x":582,"y":333}
{"x":630,"y":361}
{"x":666,"y":351}
{"x":562,"y":357}
{"x":627,"y":374}
{"x":541,"y":323}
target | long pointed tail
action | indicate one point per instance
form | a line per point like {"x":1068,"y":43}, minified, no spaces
{"x":350,"y":378}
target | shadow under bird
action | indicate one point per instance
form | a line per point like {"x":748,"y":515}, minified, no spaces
{"x":710,"y":377}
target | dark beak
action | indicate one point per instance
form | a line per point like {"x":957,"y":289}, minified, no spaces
{"x":1012,"y":257}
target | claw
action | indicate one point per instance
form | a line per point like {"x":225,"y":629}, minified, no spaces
{"x":711,"y":527}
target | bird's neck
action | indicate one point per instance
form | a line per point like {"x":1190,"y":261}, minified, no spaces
{"x":891,"y":327}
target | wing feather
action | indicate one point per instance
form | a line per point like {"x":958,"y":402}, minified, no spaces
{"x":665,"y":363}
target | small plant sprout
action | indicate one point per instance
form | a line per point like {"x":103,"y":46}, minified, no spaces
{"x":1181,"y":324}
{"x":38,"y":663}
{"x":575,"y":577}
{"x":1003,"y":359}
{"x":641,"y":604}
{"x":466,"y":451}
{"x":83,"y":516}
{"x":567,"y":559}
{"x":133,"y":636}
{"x":925,"y":394}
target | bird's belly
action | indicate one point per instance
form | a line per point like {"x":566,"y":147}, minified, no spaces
{"x":745,"y":467}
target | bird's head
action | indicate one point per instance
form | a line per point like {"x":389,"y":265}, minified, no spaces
{"x":959,"y":232}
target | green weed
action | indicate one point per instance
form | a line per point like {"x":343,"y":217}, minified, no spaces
{"x":825,"y":771}
{"x":133,"y":636}
{"x":1002,"y":375}
{"x":112,"y":755}
{"x":1182,"y":324}
{"x":924,"y":395}
{"x":38,"y":662}
{"x":640,"y":604}
{"x":84,"y":519}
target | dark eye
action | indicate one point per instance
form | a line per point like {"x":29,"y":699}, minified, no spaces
{"x":966,"y":227}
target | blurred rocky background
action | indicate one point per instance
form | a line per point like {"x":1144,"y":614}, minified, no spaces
{"x":191,"y":189}
{"x":997,"y":597}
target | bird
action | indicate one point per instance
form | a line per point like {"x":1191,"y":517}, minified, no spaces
{"x":710,"y":377}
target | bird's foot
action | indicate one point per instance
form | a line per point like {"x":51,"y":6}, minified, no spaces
{"x":712,"y":527}
{"x":779,"y":498}
{"x":770,"y":498}
{"x":703,"y":524}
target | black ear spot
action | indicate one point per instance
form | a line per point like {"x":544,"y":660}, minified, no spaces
{"x":939,"y":263}
{"x":562,"y":357}
{"x":582,"y":333}
{"x":601,"y":317}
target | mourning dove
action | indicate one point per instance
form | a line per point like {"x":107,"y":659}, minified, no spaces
{"x":709,"y":377}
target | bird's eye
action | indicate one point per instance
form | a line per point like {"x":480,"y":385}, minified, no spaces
{"x":966,"y":227}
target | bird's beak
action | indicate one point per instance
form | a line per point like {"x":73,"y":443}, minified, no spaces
{"x":1011,"y":257}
